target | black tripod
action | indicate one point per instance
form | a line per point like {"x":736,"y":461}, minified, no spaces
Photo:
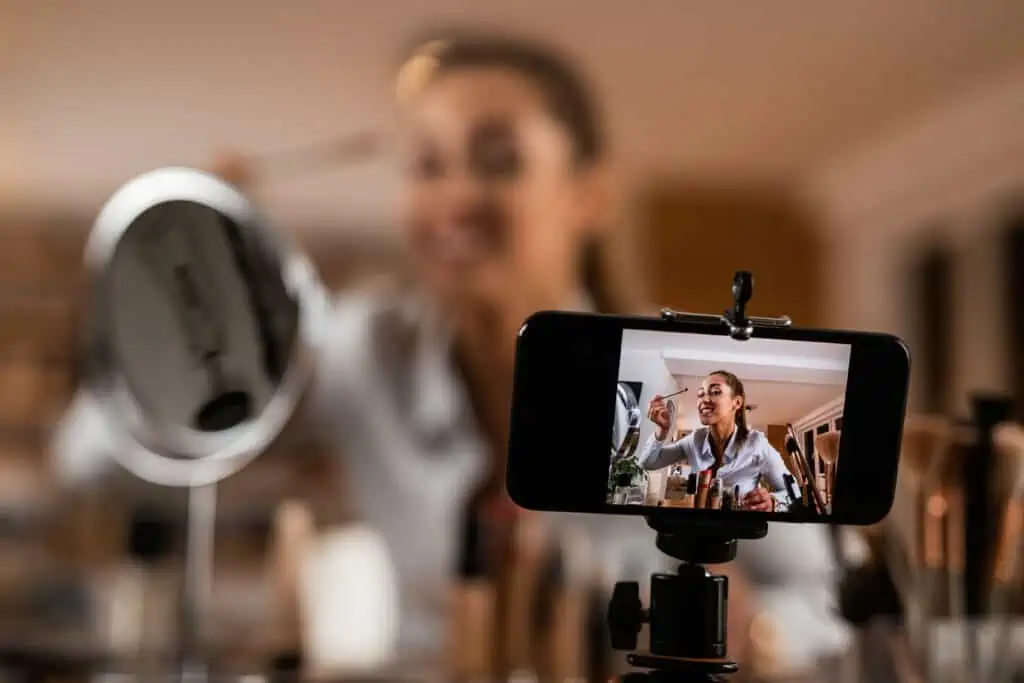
{"x":687,"y":615}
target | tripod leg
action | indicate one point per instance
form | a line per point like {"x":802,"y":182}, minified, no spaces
{"x":202,"y":514}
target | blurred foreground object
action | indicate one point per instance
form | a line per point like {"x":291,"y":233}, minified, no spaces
{"x":200,"y":333}
{"x":349,"y":603}
{"x":918,"y":572}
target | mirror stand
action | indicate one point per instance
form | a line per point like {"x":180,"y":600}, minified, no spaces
{"x":183,"y":269}
{"x":197,"y":587}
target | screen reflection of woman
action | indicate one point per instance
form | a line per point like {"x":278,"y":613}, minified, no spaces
{"x":739,"y":456}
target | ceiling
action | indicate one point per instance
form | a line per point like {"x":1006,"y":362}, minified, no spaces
{"x":776,"y":403}
{"x":756,"y":358}
{"x":92,"y":93}
{"x":785,"y":379}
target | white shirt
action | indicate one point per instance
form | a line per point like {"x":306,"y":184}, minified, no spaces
{"x":387,"y":396}
{"x":743,"y":465}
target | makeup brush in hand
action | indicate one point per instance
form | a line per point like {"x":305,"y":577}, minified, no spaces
{"x":243,"y":170}
{"x":675,"y":393}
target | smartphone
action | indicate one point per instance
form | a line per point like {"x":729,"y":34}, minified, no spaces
{"x":628,"y":415}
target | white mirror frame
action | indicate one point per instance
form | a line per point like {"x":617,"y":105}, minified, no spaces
{"x":181,"y":456}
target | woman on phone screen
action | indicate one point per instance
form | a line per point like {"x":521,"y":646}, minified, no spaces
{"x":739,"y":456}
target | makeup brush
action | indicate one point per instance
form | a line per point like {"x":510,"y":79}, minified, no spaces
{"x":1006,"y":580}
{"x":1009,"y":440}
{"x":674,"y":393}
{"x":789,"y":461}
{"x":913,"y":548}
{"x":943,"y":516}
{"x":951,"y":481}
{"x":312,"y":158}
{"x":925,"y":441}
{"x":826,"y":446}
{"x":793,"y":446}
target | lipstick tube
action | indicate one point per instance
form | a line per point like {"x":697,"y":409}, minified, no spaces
{"x":703,"y":487}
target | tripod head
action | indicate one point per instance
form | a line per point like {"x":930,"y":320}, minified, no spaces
{"x":687,"y":613}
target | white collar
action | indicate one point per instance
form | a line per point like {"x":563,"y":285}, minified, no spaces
{"x":729,"y":452}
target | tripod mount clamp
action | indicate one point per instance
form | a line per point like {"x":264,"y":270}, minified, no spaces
{"x":740,"y":326}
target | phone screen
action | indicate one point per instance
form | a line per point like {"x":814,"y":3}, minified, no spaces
{"x":625,"y":415}
{"x":708,"y":422}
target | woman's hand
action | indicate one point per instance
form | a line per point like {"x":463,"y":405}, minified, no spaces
{"x":657,"y":412}
{"x":759,"y":500}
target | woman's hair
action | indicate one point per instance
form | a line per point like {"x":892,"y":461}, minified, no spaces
{"x":568,"y":98}
{"x":734,"y":383}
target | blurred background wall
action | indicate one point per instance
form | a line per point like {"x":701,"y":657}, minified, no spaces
{"x":822,"y":145}
{"x":820,"y":124}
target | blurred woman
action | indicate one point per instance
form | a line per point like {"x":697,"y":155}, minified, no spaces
{"x":505,"y":207}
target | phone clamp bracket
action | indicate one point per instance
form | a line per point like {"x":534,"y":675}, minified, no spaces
{"x":741,"y":327}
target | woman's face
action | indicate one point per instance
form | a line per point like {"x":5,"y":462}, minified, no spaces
{"x":715,"y":401}
{"x":494,"y":203}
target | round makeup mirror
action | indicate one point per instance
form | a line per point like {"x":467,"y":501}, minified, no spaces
{"x":626,"y":428}
{"x":202,"y":326}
